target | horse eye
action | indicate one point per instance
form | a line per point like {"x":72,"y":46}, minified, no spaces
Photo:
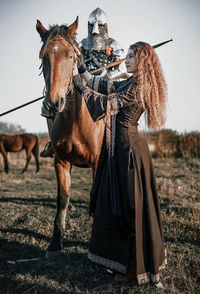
{"x":71,"y":57}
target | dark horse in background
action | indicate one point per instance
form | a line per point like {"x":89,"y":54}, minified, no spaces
{"x":75,"y":137}
{"x":16,"y":143}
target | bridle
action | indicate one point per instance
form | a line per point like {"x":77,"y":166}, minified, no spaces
{"x":48,"y":105}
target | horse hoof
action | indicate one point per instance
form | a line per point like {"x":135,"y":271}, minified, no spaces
{"x":52,"y":254}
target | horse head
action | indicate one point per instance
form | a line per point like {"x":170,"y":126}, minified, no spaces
{"x":58,"y":57}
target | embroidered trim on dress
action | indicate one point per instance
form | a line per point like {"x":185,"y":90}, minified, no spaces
{"x":147,"y":277}
{"x":107,"y":263}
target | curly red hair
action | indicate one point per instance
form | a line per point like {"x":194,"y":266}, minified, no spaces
{"x":151,"y":87}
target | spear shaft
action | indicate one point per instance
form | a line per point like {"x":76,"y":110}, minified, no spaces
{"x":121,"y":60}
{"x":94,"y":71}
{"x":18,"y":107}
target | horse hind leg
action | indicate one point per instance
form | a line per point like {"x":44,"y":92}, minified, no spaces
{"x":28,"y":158}
{"x":35,"y":152}
{"x":63,"y":174}
{"x":6,"y":166}
{"x":37,"y":162}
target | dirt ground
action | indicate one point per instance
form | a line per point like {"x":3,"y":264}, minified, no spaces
{"x":27,"y":212}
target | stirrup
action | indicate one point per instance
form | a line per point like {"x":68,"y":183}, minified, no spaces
{"x":48,"y":151}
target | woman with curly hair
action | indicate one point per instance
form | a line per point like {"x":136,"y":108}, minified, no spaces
{"x":127,"y":233}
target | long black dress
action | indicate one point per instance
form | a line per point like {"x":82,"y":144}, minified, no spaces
{"x":127,"y":233}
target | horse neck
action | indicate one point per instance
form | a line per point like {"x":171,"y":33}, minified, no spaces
{"x":73,"y":106}
{"x":74,"y":121}
{"x":75,"y":111}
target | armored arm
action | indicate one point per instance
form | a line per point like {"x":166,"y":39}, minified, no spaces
{"x":119,"y":71}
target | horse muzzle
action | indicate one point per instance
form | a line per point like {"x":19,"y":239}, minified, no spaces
{"x":59,"y":105}
{"x":50,"y":108}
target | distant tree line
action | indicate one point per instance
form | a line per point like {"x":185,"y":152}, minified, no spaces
{"x":10,"y":128}
{"x":163,"y":143}
{"x":168,"y":143}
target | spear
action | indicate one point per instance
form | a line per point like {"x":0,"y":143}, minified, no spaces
{"x":121,"y":60}
{"x":18,"y":107}
{"x":163,"y":43}
{"x":94,"y":71}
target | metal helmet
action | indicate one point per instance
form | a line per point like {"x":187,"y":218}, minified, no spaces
{"x":97,"y":22}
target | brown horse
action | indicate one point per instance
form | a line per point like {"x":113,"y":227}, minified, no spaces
{"x":75,"y":137}
{"x":16,"y":143}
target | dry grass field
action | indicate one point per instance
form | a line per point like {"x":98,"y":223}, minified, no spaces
{"x":27,"y":211}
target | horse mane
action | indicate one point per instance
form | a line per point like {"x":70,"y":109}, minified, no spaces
{"x":52,"y":32}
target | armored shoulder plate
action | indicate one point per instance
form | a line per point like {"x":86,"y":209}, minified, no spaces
{"x":118,"y":52}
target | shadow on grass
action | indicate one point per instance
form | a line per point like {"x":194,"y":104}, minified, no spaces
{"x":43,"y":201}
{"x":35,"y":201}
{"x":11,"y":250}
{"x":26,"y":232}
{"x":70,"y":273}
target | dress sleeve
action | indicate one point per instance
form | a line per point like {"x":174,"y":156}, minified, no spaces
{"x":100,"y":104}
{"x":101,"y":85}
{"x":97,"y":83}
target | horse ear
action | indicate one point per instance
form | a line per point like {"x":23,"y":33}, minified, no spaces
{"x":39,"y":27}
{"x":71,"y":30}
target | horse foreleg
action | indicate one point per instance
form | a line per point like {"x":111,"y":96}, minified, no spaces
{"x":63,"y":173}
{"x":35,"y":152}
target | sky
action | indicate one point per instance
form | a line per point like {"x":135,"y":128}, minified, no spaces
{"x":129,"y":21}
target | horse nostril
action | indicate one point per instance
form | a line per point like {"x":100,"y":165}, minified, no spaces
{"x":60,"y":104}
{"x":62,"y":100}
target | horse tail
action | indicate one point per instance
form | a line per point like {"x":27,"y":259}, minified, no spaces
{"x":35,"y":152}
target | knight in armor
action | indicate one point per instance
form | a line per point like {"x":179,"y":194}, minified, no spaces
{"x":99,"y":50}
